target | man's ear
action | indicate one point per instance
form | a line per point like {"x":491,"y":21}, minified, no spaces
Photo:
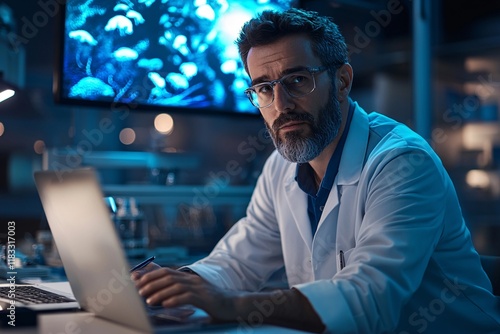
{"x":344,"y":81}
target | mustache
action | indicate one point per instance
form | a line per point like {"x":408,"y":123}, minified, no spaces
{"x":292,"y":117}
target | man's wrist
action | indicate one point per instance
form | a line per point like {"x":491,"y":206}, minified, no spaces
{"x":188,"y":270}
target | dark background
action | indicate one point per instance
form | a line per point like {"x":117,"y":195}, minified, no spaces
{"x":463,"y":33}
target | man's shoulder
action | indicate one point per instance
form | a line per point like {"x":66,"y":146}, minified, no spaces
{"x":385,"y":129}
{"x":389,"y":138}
{"x":276,"y":174}
{"x":382,"y":124}
{"x":379,"y":126}
{"x":276,"y":161}
{"x":276,"y":164}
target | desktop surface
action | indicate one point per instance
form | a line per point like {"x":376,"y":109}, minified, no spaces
{"x":87,"y":323}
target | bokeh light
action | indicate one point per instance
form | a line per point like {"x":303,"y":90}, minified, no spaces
{"x":127,"y":136}
{"x":164,"y":123}
{"x":39,"y":146}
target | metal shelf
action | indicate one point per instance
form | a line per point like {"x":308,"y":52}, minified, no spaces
{"x":173,"y":195}
{"x":60,"y":158}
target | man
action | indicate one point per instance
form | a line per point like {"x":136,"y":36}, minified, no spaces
{"x":356,"y":207}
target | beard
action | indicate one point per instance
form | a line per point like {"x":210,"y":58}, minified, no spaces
{"x":294,"y":146}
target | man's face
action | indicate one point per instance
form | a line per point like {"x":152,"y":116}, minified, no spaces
{"x":302,"y":127}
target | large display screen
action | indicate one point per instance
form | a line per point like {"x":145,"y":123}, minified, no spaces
{"x":156,"y":54}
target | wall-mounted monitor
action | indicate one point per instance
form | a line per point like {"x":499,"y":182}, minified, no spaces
{"x":173,"y":55}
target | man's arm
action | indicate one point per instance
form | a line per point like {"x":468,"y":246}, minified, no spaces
{"x":287,"y":308}
{"x":172,"y":288}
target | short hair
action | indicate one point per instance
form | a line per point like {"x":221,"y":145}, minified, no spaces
{"x":327,"y":42}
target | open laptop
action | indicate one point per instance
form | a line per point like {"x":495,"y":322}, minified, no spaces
{"x":37,"y":297}
{"x":93,"y":257}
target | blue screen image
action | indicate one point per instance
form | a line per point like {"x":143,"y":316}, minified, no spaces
{"x":158,"y":53}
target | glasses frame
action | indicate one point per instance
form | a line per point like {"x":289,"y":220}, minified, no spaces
{"x":312,"y":70}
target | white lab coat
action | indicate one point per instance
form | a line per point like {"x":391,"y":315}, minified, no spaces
{"x":410,"y":266}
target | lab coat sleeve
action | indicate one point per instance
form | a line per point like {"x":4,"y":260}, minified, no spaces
{"x":402,"y":206}
{"x":251,"y":251}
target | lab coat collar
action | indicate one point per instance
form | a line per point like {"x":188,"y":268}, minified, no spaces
{"x":353,"y":155}
{"x":351,"y":162}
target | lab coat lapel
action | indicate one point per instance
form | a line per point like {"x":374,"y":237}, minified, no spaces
{"x":295,"y":198}
{"x":351,"y":162}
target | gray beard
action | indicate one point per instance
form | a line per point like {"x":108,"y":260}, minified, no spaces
{"x":299,"y":149}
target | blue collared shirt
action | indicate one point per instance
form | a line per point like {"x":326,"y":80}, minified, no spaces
{"x":316,"y":200}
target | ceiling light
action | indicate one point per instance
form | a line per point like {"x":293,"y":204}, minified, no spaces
{"x":6,"y":93}
{"x":6,"y":90}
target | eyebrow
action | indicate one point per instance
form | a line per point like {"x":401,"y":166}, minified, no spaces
{"x":265,"y":78}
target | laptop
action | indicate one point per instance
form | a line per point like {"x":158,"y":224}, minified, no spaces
{"x":93,"y":257}
{"x":36,"y":297}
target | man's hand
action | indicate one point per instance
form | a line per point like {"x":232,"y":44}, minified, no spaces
{"x":171,"y":288}
{"x":135,"y":275}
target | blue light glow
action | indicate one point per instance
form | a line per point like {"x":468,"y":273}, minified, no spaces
{"x":173,"y":53}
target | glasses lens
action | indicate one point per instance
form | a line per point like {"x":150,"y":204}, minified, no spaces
{"x":261,"y":95}
{"x":296,"y":84}
{"x":299,"y":83}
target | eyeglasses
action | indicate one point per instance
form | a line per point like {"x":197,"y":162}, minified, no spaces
{"x":297,"y":84}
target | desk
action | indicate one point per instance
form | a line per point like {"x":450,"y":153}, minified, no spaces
{"x":86,"y":323}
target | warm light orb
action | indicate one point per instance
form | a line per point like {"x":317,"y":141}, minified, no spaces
{"x":127,"y":136}
{"x":478,"y":179}
{"x":164,"y":123}
{"x":39,"y":146}
{"x":2,"y":129}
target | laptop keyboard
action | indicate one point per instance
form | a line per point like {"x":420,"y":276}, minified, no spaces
{"x":33,"y":295}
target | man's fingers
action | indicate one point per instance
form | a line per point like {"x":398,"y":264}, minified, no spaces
{"x":150,"y":267}
{"x":137,"y":274}
{"x":153,"y":275}
{"x":186,"y":298}
{"x":161,"y":279}
{"x":168,"y":294}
